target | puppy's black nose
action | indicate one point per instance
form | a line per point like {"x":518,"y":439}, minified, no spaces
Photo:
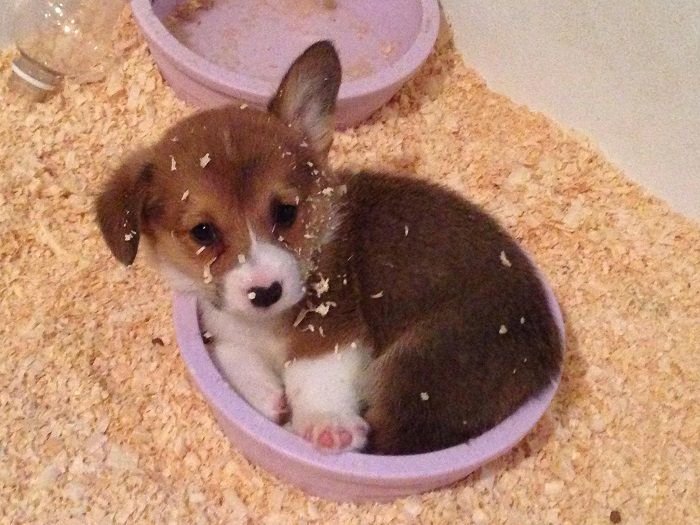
{"x":264,"y":297}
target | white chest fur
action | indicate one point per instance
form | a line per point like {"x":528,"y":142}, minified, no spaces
{"x":250,"y":356}
{"x":322,"y":391}
{"x":261,"y":337}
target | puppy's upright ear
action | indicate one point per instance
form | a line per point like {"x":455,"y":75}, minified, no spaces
{"x":307,"y":95}
{"x":120,"y":208}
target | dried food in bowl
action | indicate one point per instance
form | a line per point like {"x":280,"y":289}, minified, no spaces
{"x":232,"y":51}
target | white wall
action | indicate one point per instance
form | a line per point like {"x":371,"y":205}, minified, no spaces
{"x":625,"y":72}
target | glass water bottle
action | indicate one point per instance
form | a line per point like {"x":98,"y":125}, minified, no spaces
{"x":60,"y":38}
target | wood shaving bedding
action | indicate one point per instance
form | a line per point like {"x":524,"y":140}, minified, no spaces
{"x":101,"y":424}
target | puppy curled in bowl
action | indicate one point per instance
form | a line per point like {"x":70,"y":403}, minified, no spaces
{"x":371,"y":311}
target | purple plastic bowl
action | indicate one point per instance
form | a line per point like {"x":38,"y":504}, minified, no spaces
{"x":350,"y":476}
{"x":240,"y":50}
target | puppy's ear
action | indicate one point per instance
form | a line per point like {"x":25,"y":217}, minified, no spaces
{"x":120,"y":208}
{"x":307,"y":95}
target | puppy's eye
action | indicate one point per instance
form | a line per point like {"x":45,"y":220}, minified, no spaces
{"x":205,"y":234}
{"x":283,"y":214}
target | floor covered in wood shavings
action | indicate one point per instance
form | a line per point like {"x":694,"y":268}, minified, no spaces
{"x":100,"y":424}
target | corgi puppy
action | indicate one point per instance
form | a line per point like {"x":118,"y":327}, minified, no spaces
{"x":378,"y":312}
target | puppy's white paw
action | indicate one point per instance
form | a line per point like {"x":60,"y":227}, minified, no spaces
{"x":253,"y":379}
{"x":332,"y":432}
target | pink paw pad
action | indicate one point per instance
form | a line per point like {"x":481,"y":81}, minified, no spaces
{"x":336,"y":437}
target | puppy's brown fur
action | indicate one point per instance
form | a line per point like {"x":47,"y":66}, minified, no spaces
{"x":436,"y":327}
{"x":413,"y":270}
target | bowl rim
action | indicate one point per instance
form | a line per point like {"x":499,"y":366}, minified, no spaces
{"x":366,"y":468}
{"x":227,"y":81}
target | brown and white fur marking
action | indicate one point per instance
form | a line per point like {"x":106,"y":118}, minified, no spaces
{"x":377,"y":309}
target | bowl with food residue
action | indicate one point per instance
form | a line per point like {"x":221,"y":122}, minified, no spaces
{"x":214,"y":52}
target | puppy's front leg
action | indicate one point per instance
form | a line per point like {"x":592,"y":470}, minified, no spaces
{"x":323,"y":394}
{"x":249,"y":374}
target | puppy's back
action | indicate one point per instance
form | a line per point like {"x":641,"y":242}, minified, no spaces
{"x":456,"y":310}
